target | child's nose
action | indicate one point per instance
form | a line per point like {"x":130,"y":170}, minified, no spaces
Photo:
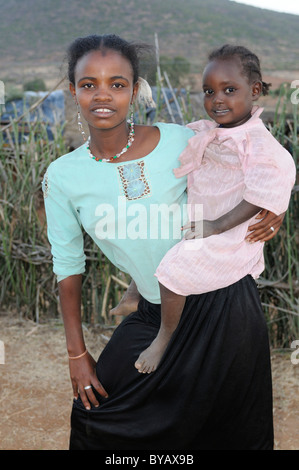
{"x":218,"y":98}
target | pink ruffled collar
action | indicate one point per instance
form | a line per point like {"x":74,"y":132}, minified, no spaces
{"x":206,"y":131}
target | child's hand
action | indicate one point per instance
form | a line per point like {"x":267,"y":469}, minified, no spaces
{"x":266,"y":228}
{"x":199,"y":229}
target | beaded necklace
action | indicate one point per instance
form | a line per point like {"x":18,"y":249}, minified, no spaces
{"x":129,"y":143}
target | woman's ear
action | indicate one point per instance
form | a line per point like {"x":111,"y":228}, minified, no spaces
{"x":256,"y":90}
{"x":135,"y":92}
{"x":73,"y":91}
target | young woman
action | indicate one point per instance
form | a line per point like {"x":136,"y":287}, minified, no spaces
{"x":192,"y":401}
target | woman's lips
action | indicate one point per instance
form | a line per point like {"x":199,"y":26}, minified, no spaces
{"x":102,"y":111}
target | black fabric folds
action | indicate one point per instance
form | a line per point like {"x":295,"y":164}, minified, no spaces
{"x":211,"y":391}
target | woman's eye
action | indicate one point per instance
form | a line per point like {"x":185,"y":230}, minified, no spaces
{"x":117,"y":85}
{"x":87,"y":85}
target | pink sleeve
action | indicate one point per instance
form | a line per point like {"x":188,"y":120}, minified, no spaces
{"x":270,"y":173}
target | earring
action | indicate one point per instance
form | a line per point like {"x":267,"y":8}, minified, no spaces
{"x":80,"y":125}
{"x":130,"y":121}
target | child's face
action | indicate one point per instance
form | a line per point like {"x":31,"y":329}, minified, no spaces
{"x":228,"y":95}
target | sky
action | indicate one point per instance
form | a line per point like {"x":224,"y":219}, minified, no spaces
{"x":285,"y":6}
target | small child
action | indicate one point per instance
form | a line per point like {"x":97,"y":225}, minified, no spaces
{"x":235,"y":168}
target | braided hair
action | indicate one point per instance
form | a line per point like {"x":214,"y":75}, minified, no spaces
{"x":249,"y":62}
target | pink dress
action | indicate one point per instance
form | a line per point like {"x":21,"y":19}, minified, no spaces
{"x":225,"y":166}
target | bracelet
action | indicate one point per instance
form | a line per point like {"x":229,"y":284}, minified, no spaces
{"x":78,"y":357}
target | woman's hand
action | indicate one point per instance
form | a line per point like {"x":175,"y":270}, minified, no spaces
{"x":263,"y":230}
{"x":82,"y":372}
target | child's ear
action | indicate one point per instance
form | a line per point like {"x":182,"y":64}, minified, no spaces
{"x":256,"y":90}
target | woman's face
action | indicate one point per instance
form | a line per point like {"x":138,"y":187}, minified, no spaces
{"x":228,"y":95}
{"x":104,"y":88}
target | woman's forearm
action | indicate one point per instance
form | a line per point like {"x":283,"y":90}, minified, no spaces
{"x":70,"y":301}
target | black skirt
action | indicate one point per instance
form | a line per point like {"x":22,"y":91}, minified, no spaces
{"x":211,"y":391}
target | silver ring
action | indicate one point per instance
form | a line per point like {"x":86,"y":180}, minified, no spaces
{"x":87,"y":387}
{"x":272,"y":228}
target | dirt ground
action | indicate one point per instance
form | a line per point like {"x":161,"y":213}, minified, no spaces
{"x":36,"y":394}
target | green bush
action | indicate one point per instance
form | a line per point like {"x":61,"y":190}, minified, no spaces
{"x":37,"y":84}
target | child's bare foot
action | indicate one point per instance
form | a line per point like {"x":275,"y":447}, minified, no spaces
{"x":150,"y":358}
{"x":128,"y":303}
{"x":125,"y":307}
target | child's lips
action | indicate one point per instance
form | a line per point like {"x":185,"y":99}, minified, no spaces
{"x":220,"y":112}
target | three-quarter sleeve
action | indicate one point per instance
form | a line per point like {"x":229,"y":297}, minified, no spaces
{"x":63,"y":228}
{"x":269,"y":174}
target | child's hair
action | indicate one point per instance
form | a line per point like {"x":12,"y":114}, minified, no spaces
{"x":81,"y":46}
{"x":249,"y":61}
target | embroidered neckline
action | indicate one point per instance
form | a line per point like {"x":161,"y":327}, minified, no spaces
{"x":134,"y":180}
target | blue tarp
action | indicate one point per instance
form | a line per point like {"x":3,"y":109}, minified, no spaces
{"x":51,"y":111}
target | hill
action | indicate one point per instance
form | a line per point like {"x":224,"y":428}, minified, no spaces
{"x":39,"y":32}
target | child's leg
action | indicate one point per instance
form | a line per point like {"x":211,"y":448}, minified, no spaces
{"x":171,"y":309}
{"x":129,"y":301}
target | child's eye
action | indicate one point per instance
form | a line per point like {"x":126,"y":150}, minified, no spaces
{"x":230,"y":89}
{"x":208,"y":92}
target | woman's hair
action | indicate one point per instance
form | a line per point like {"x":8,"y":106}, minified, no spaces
{"x":249,"y":62}
{"x":81,"y":46}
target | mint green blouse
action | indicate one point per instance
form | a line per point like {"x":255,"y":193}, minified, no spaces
{"x":132,"y":210}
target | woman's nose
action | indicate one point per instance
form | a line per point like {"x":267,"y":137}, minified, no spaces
{"x":102,"y":94}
